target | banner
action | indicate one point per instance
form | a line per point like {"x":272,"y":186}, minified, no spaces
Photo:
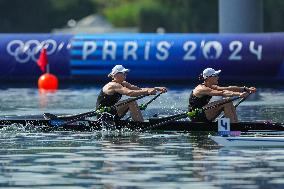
{"x":179,"y":56}
{"x":163,"y":57}
{"x":19,"y":54}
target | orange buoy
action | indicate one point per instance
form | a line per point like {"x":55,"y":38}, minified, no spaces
{"x":47,"y":82}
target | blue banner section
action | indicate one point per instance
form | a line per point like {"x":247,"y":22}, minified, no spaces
{"x":20,"y":52}
{"x":150,"y":57}
{"x":179,"y":56}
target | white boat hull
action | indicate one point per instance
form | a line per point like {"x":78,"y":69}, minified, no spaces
{"x":250,"y":141}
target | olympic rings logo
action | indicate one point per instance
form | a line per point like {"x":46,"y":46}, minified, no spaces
{"x":29,"y":50}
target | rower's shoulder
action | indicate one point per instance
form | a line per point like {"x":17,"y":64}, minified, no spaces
{"x":111,"y":86}
{"x":126,"y":84}
{"x":201,"y":88}
{"x":205,"y":88}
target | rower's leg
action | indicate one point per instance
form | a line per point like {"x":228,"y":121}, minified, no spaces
{"x":213,"y":113}
{"x":230,"y":112}
{"x":122,"y":110}
{"x":228,"y":108}
{"x":135,"y":111}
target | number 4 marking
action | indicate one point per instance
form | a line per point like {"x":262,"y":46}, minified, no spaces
{"x":257,"y":52}
{"x":224,"y":124}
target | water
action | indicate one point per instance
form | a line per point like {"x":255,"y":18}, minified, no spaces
{"x":31,"y":159}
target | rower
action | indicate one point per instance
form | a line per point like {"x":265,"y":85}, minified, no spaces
{"x":202,"y":94}
{"x":112,"y":92}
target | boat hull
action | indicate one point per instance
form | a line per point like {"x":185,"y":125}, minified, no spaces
{"x":151,"y":125}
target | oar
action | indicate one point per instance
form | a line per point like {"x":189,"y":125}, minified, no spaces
{"x":144,"y":106}
{"x":240,"y":101}
{"x":60,"y":121}
{"x":189,"y":114}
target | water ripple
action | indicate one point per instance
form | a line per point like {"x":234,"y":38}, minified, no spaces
{"x":31,"y":159}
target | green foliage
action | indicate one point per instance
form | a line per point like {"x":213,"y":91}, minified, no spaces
{"x":72,"y":9}
{"x":151,"y":18}
{"x":148,"y":15}
{"x":126,"y":14}
{"x":41,"y":15}
{"x":273,"y":12}
{"x":181,"y":16}
{"x":18,"y":15}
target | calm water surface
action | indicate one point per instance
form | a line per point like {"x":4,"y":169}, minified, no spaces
{"x":31,"y":159}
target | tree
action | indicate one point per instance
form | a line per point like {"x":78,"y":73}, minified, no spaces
{"x":272,"y":15}
{"x":41,"y":16}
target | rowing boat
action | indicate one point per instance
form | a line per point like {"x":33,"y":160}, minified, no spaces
{"x":153,"y":124}
{"x":249,"y":141}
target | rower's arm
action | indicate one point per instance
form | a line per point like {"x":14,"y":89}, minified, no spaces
{"x":161,"y":89}
{"x":132,"y":93}
{"x":235,"y":89}
{"x":230,"y":88}
{"x":130,"y":86}
{"x":224,"y":93}
{"x":133,"y":87}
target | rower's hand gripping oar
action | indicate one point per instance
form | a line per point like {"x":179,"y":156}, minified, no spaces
{"x":189,"y":114}
{"x":60,"y":121}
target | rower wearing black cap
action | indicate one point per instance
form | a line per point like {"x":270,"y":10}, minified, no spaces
{"x":202,"y":94}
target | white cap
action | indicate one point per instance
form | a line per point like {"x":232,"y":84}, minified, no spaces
{"x":118,"y":69}
{"x":208,"y":72}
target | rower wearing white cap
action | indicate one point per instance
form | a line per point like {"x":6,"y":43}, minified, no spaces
{"x":112,"y":92}
{"x":202,"y":94}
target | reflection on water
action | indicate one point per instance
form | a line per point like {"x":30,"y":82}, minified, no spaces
{"x":30,"y":159}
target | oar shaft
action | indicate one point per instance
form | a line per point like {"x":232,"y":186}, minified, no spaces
{"x":221,"y":103}
{"x":150,"y":101}
{"x":243,"y":99}
{"x":166,"y":120}
{"x":236,"y":105}
{"x":130,"y":100}
{"x":144,"y":106}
